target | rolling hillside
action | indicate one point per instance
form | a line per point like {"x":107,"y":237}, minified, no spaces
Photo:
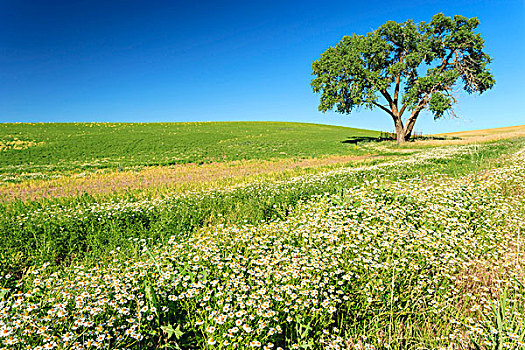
{"x":48,"y":147}
{"x":482,"y":135}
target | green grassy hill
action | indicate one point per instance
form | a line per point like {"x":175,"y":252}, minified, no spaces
{"x":48,"y":147}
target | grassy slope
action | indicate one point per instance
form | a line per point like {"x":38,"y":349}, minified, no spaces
{"x":72,"y":146}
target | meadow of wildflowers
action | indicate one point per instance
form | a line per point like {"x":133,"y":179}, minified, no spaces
{"x":361,"y":258}
{"x":61,"y":230}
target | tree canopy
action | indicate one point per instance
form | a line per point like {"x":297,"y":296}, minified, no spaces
{"x":404,"y":67}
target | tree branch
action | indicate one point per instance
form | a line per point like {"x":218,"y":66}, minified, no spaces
{"x":402,"y":110}
{"x":410,"y":122}
{"x":382,"y":107}
{"x":388,"y":98}
{"x":398,"y":81}
{"x":396,"y":90}
{"x":444,"y":62}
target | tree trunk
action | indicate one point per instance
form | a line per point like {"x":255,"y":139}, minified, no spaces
{"x":400,"y":130}
{"x":410,"y":124}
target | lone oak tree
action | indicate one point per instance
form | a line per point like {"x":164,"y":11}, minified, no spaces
{"x":425,"y":61}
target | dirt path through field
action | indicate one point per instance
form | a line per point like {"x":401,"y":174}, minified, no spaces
{"x":184,"y":176}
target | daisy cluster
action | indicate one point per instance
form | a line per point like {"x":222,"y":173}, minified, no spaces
{"x":336,"y":273}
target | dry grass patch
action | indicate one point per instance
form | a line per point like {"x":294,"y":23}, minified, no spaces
{"x":182,"y":177}
{"x":476,"y":136}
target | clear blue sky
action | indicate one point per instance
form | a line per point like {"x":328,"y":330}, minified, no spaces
{"x":222,"y":60}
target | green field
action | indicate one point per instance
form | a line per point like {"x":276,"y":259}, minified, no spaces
{"x":413,"y":247}
{"x":57,"y":147}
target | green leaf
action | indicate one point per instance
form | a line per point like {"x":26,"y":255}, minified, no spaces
{"x":172,"y":332}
